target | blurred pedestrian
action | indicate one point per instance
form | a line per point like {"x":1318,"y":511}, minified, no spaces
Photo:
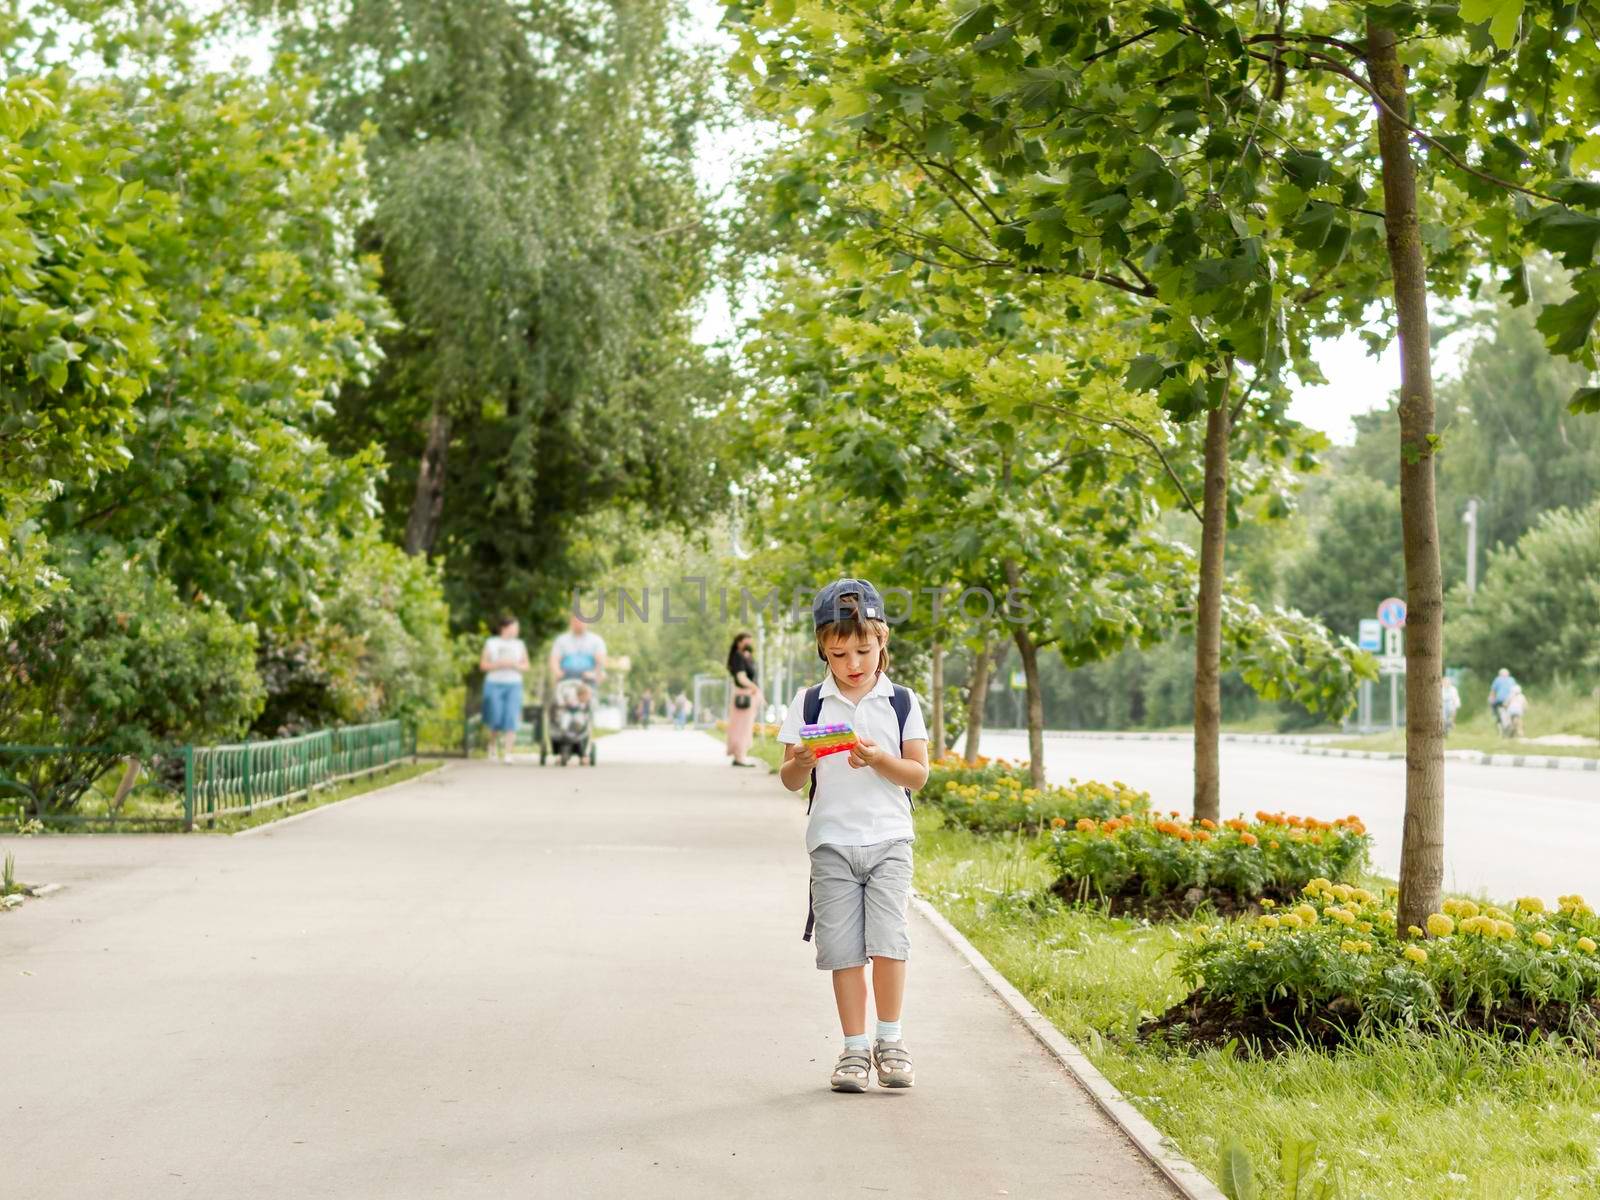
{"x":503,"y":662}
{"x":681,"y":708}
{"x":1449,"y":703}
{"x":1500,"y":691}
{"x":1516,"y":707}
{"x":746,"y":700}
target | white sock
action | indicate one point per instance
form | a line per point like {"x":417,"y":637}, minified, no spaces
{"x":857,"y":1041}
{"x":888,"y":1031}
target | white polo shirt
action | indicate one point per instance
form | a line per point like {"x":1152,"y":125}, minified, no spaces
{"x":856,"y":806}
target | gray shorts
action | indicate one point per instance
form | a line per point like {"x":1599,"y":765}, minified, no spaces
{"x":859,"y":894}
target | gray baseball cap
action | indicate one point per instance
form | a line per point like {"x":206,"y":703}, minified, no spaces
{"x":825,"y":609}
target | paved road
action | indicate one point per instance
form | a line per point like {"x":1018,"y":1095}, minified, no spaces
{"x":1509,"y":831}
{"x":499,"y":981}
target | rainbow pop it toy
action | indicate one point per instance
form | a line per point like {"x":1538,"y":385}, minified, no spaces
{"x":827,"y":739}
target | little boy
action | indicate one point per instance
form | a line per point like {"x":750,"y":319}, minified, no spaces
{"x":859,"y":835}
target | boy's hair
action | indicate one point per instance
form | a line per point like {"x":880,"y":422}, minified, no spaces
{"x":851,"y":625}
{"x":505,"y":619}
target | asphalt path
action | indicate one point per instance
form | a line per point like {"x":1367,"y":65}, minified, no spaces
{"x":1509,"y":831}
{"x":500,"y":981}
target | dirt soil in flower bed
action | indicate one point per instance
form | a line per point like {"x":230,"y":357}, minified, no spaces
{"x":1133,"y":901}
{"x":1196,"y":1023}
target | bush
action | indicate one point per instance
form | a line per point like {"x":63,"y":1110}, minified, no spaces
{"x":1163,"y":866}
{"x":119,"y":665}
{"x":1008,"y":804}
{"x":1336,"y":959}
{"x":1539,"y":605}
{"x":380,"y":648}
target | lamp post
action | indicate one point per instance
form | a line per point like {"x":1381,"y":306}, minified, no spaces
{"x":1470,"y":520}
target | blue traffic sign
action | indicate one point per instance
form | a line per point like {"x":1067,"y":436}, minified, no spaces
{"x":1392,"y":613}
{"x":1370,"y":635}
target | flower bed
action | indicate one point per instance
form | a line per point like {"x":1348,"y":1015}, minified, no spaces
{"x":985,"y":772}
{"x":1009,"y":804}
{"x":1162,"y":867}
{"x":1335,"y":961}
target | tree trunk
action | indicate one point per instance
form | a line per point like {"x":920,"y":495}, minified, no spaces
{"x":1208,"y":617}
{"x":1422,"y":845}
{"x":427,"y":504}
{"x":937,"y":749}
{"x":978,"y":695}
{"x":1030,"y":668}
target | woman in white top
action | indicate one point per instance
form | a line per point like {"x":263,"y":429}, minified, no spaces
{"x":503,"y":662}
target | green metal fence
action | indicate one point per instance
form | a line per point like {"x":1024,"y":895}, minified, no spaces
{"x":223,"y":780}
{"x":215,"y":781}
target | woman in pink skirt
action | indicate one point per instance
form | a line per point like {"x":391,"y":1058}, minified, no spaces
{"x":746,"y":701}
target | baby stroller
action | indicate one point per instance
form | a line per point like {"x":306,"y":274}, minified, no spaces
{"x":569,"y":723}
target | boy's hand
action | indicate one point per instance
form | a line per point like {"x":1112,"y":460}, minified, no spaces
{"x":866,"y":753}
{"x":804,"y":755}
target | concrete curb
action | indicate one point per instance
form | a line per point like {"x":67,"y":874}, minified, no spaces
{"x":1146,"y":1138}
{"x":1482,"y":758}
{"x":1268,"y":739}
{"x":46,"y":889}
{"x":311,"y":812}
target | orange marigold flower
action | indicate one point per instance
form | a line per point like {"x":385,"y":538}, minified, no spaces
{"x":1200,"y":835}
{"x":1273,"y":845}
{"x":1084,"y":824}
{"x":1249,"y":839}
{"x":1058,"y":822}
{"x":1207,"y":823}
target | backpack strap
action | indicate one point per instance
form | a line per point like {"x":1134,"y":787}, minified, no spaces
{"x":810,"y":710}
{"x":901,"y":701}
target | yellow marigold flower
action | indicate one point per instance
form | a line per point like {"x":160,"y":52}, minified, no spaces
{"x":1364,"y":896}
{"x":1342,"y":915}
{"x":1364,"y":926}
{"x":1496,"y":914}
{"x":1290,"y":920}
{"x":1267,"y":922}
{"x":1530,"y":904}
{"x":1586,"y":945}
{"x":1505,"y":930}
{"x":1465,"y":908}
{"x":1350,"y":947}
{"x":1416,"y":954}
{"x":1307,"y":913}
{"x":1440,"y":925}
{"x":1254,"y":944}
{"x":1342,"y":890}
{"x":1269,"y":904}
{"x":1413,"y":931}
{"x":1544,"y":939}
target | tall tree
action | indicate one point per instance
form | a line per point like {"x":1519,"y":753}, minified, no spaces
{"x":544,"y":247}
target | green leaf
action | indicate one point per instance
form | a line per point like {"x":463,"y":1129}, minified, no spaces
{"x":1144,"y":373}
{"x":1516,"y":285}
{"x":1566,"y":326}
{"x":1571,"y":235}
{"x":1585,"y":192}
{"x":1307,"y":169}
{"x":1237,"y":1178}
{"x":1585,"y":400}
{"x":1502,"y":16}
{"x":973,"y":25}
{"x":1296,"y":1157}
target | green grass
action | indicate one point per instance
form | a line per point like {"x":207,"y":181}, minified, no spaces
{"x":321,"y":798}
{"x":1401,"y":1117}
{"x":1562,"y":709}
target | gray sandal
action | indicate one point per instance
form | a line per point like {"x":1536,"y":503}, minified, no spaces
{"x":850,"y":1072}
{"x":893,"y":1063}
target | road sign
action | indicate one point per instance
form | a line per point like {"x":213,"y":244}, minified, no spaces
{"x":1393,"y":645}
{"x":1392,"y":613}
{"x":1391,"y":666}
{"x":1371,"y":635}
{"x":1019,"y":681}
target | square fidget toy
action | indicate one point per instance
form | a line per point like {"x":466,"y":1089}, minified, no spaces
{"x":827,"y":739}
